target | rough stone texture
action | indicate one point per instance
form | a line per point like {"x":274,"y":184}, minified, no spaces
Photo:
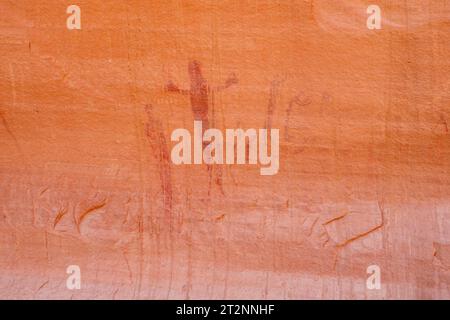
{"x":85,"y":171}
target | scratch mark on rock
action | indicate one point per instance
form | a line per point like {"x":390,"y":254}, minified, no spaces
{"x":361,"y":235}
{"x":326,"y":240}
{"x":441,"y":252}
{"x":311,"y":229}
{"x":127,"y":211}
{"x":61,"y":213}
{"x":339,"y":243}
{"x":336,"y":258}
{"x":42,"y":286}
{"x":11,"y":134}
{"x":43,"y":191}
{"x":46,"y":248}
{"x":335,"y":219}
{"x":91,"y":209}
{"x":130,"y":273}
{"x":220,"y":217}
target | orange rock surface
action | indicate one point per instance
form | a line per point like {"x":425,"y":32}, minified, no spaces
{"x":86,"y":177}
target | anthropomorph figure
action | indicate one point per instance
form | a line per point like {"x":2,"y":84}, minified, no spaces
{"x":200,"y":93}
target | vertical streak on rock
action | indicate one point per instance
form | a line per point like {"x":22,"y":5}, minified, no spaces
{"x":274,"y":90}
{"x":157,"y":140}
{"x":133,"y":89}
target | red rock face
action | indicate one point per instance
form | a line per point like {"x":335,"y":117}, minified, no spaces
{"x":86,"y":177}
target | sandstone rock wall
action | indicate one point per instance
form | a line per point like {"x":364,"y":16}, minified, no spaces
{"x":86,"y":176}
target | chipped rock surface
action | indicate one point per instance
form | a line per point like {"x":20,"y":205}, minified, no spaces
{"x":86,"y":176}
